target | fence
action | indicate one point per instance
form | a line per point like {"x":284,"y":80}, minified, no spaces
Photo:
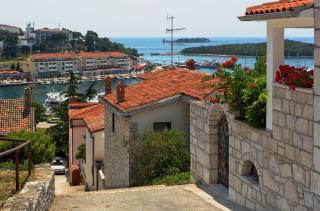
{"x":16,"y":151}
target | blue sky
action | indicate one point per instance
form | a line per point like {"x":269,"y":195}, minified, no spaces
{"x":139,"y":18}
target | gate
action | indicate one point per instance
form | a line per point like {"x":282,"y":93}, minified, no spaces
{"x":223,"y":152}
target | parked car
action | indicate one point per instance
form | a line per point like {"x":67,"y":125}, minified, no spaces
{"x":58,"y":166}
{"x":54,"y":120}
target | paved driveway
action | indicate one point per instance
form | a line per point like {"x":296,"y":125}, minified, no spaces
{"x":153,"y":198}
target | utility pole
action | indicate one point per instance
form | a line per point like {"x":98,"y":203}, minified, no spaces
{"x":171,"y":30}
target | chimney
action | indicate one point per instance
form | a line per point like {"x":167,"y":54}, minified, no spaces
{"x":120,"y":92}
{"x":190,"y":63}
{"x":27,"y":100}
{"x":73,"y":99}
{"x":107,"y":85}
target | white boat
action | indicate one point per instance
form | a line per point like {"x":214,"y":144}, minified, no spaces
{"x":53,"y":99}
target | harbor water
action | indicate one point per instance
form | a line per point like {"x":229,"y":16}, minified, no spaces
{"x":146,"y":46}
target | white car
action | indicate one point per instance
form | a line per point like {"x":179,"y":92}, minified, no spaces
{"x":58,"y":167}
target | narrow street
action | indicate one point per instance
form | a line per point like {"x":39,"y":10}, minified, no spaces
{"x":183,"y":197}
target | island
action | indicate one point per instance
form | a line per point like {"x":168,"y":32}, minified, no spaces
{"x":292,"y":49}
{"x":189,"y":40}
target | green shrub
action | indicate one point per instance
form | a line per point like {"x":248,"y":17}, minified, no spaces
{"x":244,"y":90}
{"x":176,"y":179}
{"x":158,"y":154}
{"x":43,"y":148}
{"x":81,"y":153}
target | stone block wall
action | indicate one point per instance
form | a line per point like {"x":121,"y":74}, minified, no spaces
{"x":204,"y":120}
{"x":116,"y":151}
{"x":283,"y":158}
{"x":37,"y":194}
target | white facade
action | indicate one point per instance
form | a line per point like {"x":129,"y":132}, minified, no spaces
{"x":94,"y":152}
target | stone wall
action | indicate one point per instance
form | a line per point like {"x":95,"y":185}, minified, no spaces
{"x":117,"y":142}
{"x":283,"y":157}
{"x":204,"y":120}
{"x":37,"y":194}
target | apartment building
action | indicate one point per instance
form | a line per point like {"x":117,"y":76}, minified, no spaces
{"x":103,"y":63}
{"x":52,"y":64}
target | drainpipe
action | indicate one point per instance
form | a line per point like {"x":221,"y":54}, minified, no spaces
{"x":92,"y":160}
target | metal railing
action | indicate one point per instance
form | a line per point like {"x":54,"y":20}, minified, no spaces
{"x":16,"y":151}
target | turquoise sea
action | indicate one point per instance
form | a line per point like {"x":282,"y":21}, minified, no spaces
{"x":146,"y":46}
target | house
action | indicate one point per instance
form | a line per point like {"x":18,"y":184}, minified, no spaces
{"x":17,"y":114}
{"x":43,"y":34}
{"x":87,"y":127}
{"x":11,"y":29}
{"x":161,"y":100}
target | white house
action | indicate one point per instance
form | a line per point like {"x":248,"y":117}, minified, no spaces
{"x":161,"y":100}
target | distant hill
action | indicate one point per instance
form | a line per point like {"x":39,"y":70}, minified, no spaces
{"x":190,"y":40}
{"x":292,"y":48}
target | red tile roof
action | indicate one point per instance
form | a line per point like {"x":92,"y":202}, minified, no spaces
{"x":53,"y":55}
{"x":91,"y":113}
{"x":50,"y":30}
{"x":102,"y":54}
{"x":162,"y":85}
{"x":8,"y":26}
{"x":12,"y":118}
{"x":278,"y":6}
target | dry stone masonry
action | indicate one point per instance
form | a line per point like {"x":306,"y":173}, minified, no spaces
{"x":37,"y":194}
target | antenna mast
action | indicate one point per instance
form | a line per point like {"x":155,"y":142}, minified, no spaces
{"x":171,"y":31}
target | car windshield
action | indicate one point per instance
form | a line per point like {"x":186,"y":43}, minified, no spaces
{"x":57,"y":163}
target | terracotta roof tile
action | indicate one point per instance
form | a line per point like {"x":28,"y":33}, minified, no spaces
{"x":278,"y":6}
{"x":12,"y":116}
{"x":91,"y":113}
{"x":53,"y":55}
{"x":161,"y":85}
{"x":102,"y":54}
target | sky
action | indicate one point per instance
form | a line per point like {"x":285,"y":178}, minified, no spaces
{"x":139,"y":18}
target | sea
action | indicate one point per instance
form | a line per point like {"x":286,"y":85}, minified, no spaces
{"x":148,"y":45}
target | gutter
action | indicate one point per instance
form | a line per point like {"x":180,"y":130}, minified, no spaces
{"x":275,"y":15}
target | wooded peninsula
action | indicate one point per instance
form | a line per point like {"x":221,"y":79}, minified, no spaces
{"x":292,"y":49}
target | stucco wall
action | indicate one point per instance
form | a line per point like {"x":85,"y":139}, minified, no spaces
{"x":99,"y":154}
{"x":177,"y":113}
{"x":76,"y":138}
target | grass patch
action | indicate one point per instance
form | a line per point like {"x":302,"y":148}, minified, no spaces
{"x":176,"y":179}
{"x":8,"y":180}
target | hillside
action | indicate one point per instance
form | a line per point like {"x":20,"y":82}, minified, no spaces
{"x":192,"y":40}
{"x":292,"y":48}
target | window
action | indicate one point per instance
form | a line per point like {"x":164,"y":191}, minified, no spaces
{"x":113,"y":118}
{"x":159,"y":126}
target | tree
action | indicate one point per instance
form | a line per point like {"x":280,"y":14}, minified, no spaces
{"x":60,"y":132}
{"x":91,"y":40}
{"x":10,"y":48}
{"x":43,"y":148}
{"x":40,"y":112}
{"x":81,"y":153}
{"x":25,"y":50}
{"x":13,"y":67}
{"x":157,"y":154}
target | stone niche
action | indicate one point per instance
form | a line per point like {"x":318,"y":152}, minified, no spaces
{"x":271,"y":170}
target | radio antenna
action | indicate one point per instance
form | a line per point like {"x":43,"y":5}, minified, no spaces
{"x":171,"y":30}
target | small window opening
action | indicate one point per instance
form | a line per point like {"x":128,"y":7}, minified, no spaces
{"x":249,"y":171}
{"x":160,"y":126}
